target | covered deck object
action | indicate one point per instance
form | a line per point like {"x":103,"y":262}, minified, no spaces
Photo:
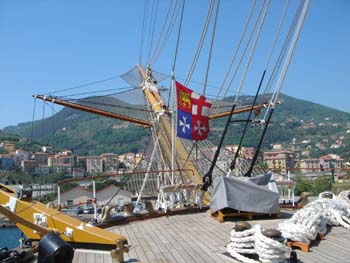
{"x":249,"y":195}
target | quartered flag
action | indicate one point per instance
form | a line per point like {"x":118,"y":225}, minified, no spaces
{"x":192,"y":114}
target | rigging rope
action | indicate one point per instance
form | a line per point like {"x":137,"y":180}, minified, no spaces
{"x":237,"y":48}
{"x":299,"y":20}
{"x":52,"y":123}
{"x":207,"y":178}
{"x":211,"y":47}
{"x":113,"y":105}
{"x":277,"y":34}
{"x":178,"y":35}
{"x":307,"y":223}
{"x":282,"y":52}
{"x":145,"y":7}
{"x":33,"y":116}
{"x":208,"y":64}
{"x":43,"y":124}
{"x":172,"y":21}
{"x":253,"y":241}
{"x":251,"y":52}
{"x":243,"y":54}
{"x":94,"y":92}
{"x":150,"y":14}
{"x":200,"y":43}
{"x":152,"y":31}
{"x":156,"y":50}
{"x":233,"y":163}
{"x":85,"y":85}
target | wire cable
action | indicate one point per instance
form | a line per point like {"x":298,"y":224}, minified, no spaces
{"x":155,"y":15}
{"x":157,"y":46}
{"x":85,"y":85}
{"x":237,"y":48}
{"x":173,"y":19}
{"x":33,"y":116}
{"x":145,"y":7}
{"x":211,"y":47}
{"x":200,"y":43}
{"x":178,"y":35}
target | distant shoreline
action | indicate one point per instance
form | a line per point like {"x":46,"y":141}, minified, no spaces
{"x":6,"y":223}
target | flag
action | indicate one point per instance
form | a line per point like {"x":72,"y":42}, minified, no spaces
{"x":192,"y":114}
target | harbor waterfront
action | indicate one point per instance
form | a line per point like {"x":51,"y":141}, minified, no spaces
{"x":9,"y":237}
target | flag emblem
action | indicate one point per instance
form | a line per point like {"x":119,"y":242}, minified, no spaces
{"x":192,"y":114}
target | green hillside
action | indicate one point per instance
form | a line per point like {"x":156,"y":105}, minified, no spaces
{"x":89,"y":134}
{"x":84,"y":133}
{"x":295,"y":119}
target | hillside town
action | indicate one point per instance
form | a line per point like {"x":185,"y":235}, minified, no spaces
{"x":278,"y":159}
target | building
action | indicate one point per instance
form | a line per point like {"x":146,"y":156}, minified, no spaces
{"x":138,"y":158}
{"x":81,"y":162}
{"x":47,"y":149}
{"x":245,"y":152}
{"x":248,"y":152}
{"x":94,"y":164}
{"x":20,"y":156}
{"x":130,"y":160}
{"x":9,"y":146}
{"x":81,"y":195}
{"x":331,"y":161}
{"x":6,"y":162}
{"x":279,"y":161}
{"x":309,"y":165}
{"x":41,"y":158}
{"x":28,"y":166}
{"x":42,"y":169}
{"x":79,"y":172}
{"x":324,"y":164}
{"x":110,"y":162}
{"x":62,"y":162}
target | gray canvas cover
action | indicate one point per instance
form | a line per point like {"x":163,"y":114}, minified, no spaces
{"x":252,"y":195}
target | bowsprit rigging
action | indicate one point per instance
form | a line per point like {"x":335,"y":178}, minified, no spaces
{"x":148,"y":104}
{"x":156,"y":110}
{"x":180,"y":170}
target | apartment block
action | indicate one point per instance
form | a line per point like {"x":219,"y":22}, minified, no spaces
{"x":279,"y":161}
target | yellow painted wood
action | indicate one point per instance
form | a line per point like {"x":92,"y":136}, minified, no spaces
{"x":82,"y":232}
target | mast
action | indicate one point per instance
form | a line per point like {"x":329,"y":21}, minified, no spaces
{"x":173,"y":149}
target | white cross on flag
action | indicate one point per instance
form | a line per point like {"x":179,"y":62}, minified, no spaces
{"x":193,"y":114}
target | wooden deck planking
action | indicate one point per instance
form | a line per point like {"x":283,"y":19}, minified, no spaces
{"x":199,"y":238}
{"x":184,"y":237}
{"x":170,"y":253}
{"x":203,"y":244}
{"x":134,"y":243}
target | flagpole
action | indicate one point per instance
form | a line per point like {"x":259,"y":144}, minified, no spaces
{"x":173,"y":128}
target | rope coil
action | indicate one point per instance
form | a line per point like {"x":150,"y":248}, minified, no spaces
{"x":313,"y":219}
{"x":253,"y":241}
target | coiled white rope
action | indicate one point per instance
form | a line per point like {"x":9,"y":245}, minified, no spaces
{"x":268,"y":249}
{"x":314,"y":217}
{"x":252,"y":241}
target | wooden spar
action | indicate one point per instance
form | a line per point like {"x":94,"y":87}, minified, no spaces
{"x":238,"y":111}
{"x":23,"y":221}
{"x":30,"y":215}
{"x":93,"y":110}
{"x":153,"y":97}
{"x":190,"y":171}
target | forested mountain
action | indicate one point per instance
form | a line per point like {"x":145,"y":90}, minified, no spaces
{"x":305,"y":122}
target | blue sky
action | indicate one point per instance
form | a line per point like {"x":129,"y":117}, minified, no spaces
{"x":49,"y":45}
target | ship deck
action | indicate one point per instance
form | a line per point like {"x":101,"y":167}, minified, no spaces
{"x":200,"y":238}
